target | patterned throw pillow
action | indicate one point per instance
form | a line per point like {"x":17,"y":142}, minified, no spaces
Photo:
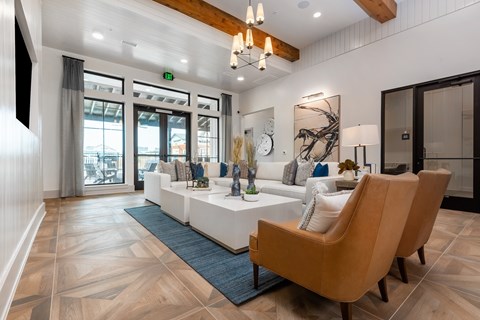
{"x":223,"y":169}
{"x":181,"y":169}
{"x":304,"y":171}
{"x":289,"y":172}
{"x":320,"y":170}
{"x":169,"y":168}
{"x":243,"y":169}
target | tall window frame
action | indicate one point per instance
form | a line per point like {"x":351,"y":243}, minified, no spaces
{"x":208,"y":141}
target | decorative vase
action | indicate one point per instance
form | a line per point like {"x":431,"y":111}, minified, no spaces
{"x":251,"y":177}
{"x":236,"y":180}
{"x":348,"y":175}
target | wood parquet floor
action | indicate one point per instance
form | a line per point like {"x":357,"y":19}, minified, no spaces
{"x":92,"y":261}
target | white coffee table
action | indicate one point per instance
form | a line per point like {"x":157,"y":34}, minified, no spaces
{"x":176,"y":200}
{"x":230,"y":221}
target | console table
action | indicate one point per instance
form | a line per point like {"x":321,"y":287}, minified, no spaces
{"x":346,"y":184}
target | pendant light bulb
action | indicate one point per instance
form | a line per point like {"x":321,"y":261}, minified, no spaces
{"x":240,"y":42}
{"x":233,"y":61}
{"x":268,"y":47}
{"x":250,"y":19}
{"x":262,"y":64}
{"x":235,"y":45}
{"x":249,"y":39}
{"x":260,"y":14}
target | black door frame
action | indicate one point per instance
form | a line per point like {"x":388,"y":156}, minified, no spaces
{"x":449,"y":202}
{"x":164,"y":113}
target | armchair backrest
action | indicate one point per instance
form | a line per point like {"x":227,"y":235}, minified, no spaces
{"x":428,"y":199}
{"x":360,"y":247}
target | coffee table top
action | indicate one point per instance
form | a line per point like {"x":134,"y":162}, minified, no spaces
{"x":182,"y":190}
{"x":237,"y":204}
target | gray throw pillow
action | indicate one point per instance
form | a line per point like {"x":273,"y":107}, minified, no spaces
{"x":169,"y":168}
{"x":181,"y":170}
{"x":289,"y":172}
{"x":304,"y":171}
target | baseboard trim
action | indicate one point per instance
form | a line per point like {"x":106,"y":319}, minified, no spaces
{"x":51,"y":194}
{"x":94,"y":190}
{"x":18,"y":261}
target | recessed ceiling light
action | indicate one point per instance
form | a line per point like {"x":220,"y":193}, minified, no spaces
{"x":97,"y":35}
{"x":240,"y":78}
{"x":317,"y":14}
{"x":303,"y":4}
{"x":184,"y":61}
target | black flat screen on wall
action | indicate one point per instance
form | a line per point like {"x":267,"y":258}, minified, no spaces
{"x":23,"y":78}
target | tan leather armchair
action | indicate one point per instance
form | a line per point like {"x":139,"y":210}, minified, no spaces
{"x":353,"y":255}
{"x":431,"y":189}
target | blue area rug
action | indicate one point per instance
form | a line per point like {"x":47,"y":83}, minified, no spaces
{"x":230,"y":273}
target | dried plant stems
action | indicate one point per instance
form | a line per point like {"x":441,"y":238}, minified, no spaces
{"x":237,"y":149}
{"x":250,"y":154}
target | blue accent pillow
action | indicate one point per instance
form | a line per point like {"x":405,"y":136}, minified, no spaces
{"x":193,"y":169}
{"x":320,"y":170}
{"x":223,"y":169}
{"x":199,"y":171}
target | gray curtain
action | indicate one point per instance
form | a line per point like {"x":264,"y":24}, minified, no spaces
{"x":227,"y":125}
{"x":71,"y":176}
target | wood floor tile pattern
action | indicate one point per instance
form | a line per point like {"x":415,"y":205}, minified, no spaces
{"x":91,"y":260}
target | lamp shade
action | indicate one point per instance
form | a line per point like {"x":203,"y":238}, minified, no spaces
{"x":361,"y":135}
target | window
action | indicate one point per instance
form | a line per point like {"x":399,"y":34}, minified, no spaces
{"x":100,"y":82}
{"x":147,"y":91}
{"x":208,"y":103}
{"x":103,"y":142}
{"x":207,"y":144}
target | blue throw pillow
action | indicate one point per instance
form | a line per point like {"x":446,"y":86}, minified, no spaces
{"x":223,"y":169}
{"x":193,"y":169}
{"x":199,"y":172}
{"x":320,"y":170}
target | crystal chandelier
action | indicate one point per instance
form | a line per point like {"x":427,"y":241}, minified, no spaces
{"x":239,"y":44}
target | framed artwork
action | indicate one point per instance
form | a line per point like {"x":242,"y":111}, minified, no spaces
{"x":317,"y":126}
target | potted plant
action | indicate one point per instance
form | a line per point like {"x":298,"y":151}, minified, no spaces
{"x":251,"y":194}
{"x":347,"y":168}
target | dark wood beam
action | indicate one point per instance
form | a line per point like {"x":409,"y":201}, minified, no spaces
{"x":214,"y":17}
{"x":380,"y":10}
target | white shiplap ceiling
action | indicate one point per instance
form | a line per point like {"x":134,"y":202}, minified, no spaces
{"x":164,"y":36}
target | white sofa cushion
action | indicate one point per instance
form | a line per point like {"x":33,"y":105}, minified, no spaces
{"x":270,"y":170}
{"x":224,"y":182}
{"x":213,"y":169}
{"x":280,"y":189}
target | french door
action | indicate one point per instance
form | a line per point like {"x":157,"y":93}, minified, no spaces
{"x":447,"y":135}
{"x":159,"y":134}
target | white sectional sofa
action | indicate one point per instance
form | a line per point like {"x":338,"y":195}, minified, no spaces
{"x":268,"y":180}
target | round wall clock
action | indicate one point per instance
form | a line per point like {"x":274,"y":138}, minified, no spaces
{"x":269,"y":126}
{"x":264,"y":144}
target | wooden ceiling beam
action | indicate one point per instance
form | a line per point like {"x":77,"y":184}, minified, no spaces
{"x":380,"y":10}
{"x":214,"y":17}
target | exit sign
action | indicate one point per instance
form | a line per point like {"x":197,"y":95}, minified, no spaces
{"x":168,"y":76}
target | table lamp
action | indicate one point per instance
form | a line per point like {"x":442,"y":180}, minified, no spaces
{"x":360,"y":136}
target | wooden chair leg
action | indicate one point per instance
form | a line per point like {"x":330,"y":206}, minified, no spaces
{"x":346,"y":309}
{"x":255,"y":276}
{"x":402,"y":268}
{"x":421,"y":255}
{"x":382,"y":285}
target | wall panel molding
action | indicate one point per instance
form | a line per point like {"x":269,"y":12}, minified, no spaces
{"x":410,"y":13}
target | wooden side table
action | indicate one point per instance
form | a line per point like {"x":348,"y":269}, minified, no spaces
{"x":345,"y":184}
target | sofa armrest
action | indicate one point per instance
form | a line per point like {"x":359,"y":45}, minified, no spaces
{"x":328,"y":181}
{"x":153,"y":183}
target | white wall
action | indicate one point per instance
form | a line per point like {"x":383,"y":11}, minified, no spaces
{"x":439,"y":48}
{"x":21,"y":206}
{"x":256,"y":121}
{"x":52,"y":78}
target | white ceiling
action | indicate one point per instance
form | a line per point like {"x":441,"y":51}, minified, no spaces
{"x":164,"y":36}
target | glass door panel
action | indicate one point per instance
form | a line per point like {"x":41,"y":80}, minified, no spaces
{"x":159,"y":135}
{"x":445,"y":127}
{"x":176,"y":137}
{"x":448,"y":135}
